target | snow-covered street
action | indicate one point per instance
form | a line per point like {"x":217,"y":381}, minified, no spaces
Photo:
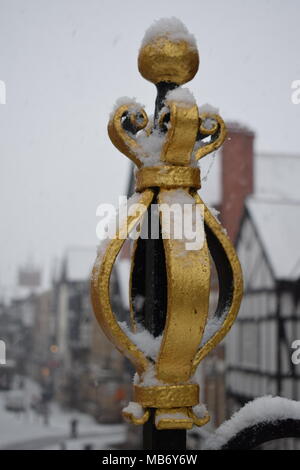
{"x":26,"y":430}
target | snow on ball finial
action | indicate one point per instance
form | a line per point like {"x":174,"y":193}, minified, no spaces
{"x":168,"y":53}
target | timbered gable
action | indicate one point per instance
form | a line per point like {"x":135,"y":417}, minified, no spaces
{"x":258,"y":348}
{"x":256,"y":268}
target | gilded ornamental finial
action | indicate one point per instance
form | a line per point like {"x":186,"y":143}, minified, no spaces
{"x":166,"y":150}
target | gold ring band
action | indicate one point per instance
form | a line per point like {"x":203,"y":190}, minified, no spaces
{"x":167,"y":177}
{"x":169,"y":396}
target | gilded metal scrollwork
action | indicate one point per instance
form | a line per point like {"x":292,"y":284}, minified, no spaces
{"x":188,"y":136}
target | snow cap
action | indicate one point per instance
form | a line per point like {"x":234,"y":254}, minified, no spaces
{"x":168,"y":53}
{"x":172,"y":28}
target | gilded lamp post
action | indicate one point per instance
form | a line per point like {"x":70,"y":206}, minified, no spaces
{"x":172,"y":278}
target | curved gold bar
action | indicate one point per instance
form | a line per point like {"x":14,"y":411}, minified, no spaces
{"x":100,"y":283}
{"x":218,"y":135}
{"x":181,"y":419}
{"x":121,"y":139}
{"x":134,"y":420}
{"x":182,"y":134}
{"x":237,"y":285}
{"x":188,"y":274}
{"x":198,"y":421}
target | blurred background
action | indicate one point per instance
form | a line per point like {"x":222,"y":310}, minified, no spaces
{"x":63,"y":65}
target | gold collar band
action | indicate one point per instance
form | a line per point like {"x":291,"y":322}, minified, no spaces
{"x":167,"y":177}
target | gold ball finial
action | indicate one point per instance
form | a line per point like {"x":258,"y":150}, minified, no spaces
{"x":168,"y":53}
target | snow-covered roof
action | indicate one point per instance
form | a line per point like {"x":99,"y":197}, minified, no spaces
{"x":78,"y":263}
{"x":211,"y":172}
{"x":277,"y":225}
{"x":277,"y":176}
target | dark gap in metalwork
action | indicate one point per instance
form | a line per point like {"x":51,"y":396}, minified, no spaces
{"x":162,"y":90}
{"x":224,"y":271}
{"x":149,"y":280}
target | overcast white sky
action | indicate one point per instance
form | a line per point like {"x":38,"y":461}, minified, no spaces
{"x":65,"y":62}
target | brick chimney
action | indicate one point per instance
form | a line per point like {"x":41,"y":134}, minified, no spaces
{"x":237,"y":176}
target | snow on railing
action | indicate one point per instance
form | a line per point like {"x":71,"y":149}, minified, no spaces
{"x":262,"y":420}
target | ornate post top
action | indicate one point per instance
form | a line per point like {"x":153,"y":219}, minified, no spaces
{"x":180,"y":133}
{"x":166,"y":150}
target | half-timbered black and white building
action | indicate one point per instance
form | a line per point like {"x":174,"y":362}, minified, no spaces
{"x":259,"y":347}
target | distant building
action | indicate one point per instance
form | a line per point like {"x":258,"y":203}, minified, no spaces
{"x":53,"y":337}
{"x":43,"y":350}
{"x":259,"y":346}
{"x":8,"y":332}
{"x":91,"y":373}
{"x":29,"y":277}
{"x":259,"y":203}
